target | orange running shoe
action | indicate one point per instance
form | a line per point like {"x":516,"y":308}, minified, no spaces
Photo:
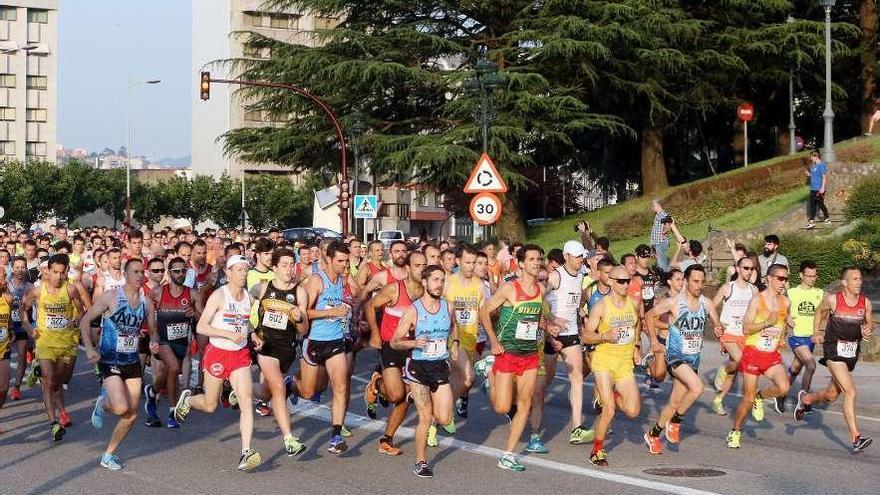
{"x":64,"y":419}
{"x":673,"y":432}
{"x":386,"y":447}
{"x":16,"y":393}
{"x":655,"y":446}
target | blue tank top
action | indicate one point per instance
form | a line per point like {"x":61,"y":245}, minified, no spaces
{"x":433,"y":327}
{"x":595,"y":297}
{"x":327,"y":329}
{"x":17,"y":295}
{"x":121,"y":330}
{"x":686,"y":332}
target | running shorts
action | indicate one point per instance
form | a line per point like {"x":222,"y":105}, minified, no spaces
{"x":124,"y":371}
{"x":20,"y":333}
{"x":566,"y":340}
{"x":316,"y":352}
{"x":508,"y":362}
{"x":739,"y":340}
{"x":755,"y":362}
{"x":431,"y":374}
{"x":620,"y":368}
{"x":221,"y":363}
{"x":282,"y":349}
{"x":391,"y":358}
{"x":795,"y":342}
{"x":63,"y":354}
{"x":831,"y":352}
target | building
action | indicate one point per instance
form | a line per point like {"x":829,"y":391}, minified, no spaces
{"x":28,"y":79}
{"x":217,"y":27}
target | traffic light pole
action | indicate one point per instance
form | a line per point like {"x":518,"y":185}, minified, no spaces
{"x":344,"y":195}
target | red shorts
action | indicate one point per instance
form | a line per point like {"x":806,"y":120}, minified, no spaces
{"x":220,"y":363}
{"x":514,"y":363}
{"x":755,"y":362}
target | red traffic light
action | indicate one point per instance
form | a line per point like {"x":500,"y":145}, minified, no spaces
{"x":205,"y":87}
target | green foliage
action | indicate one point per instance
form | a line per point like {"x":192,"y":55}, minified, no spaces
{"x":863,"y":200}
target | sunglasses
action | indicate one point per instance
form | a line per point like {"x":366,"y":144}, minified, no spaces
{"x":622,"y":281}
{"x":157,"y":270}
{"x":178,"y":270}
{"x":747,"y":268}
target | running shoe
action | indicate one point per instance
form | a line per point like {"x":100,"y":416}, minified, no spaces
{"x":673,"y":432}
{"x":64,"y":419}
{"x":233,"y":399}
{"x":581,"y":435}
{"x":337,"y":445}
{"x":597,"y":406}
{"x":150,"y":401}
{"x":422,"y":470}
{"x":720,"y":378}
{"x":249,"y":460}
{"x":651,"y":384}
{"x":861,"y":443}
{"x":535,"y":446}
{"x":599,"y":458}
{"x":734,"y":439}
{"x":484,"y":386}
{"x":98,"y":411}
{"x":827,"y":221}
{"x":387,"y":447}
{"x":509,"y":462}
{"x":432,"y":436}
{"x":655,"y":446}
{"x":483,"y":367}
{"x":181,"y":409}
{"x":153,"y":422}
{"x":718,"y":406}
{"x":58,"y":432}
{"x":263,"y":408}
{"x":758,"y":410}
{"x":510,"y":413}
{"x":450,"y":428}
{"x":293,"y":446}
{"x":172,"y":422}
{"x":111,"y":462}
{"x":16,"y":393}
{"x":779,"y":404}
{"x":33,"y":375}
{"x":371,"y":395}
{"x":800,"y":407}
{"x":344,"y":432}
{"x":461,"y":407}
{"x":811,"y":224}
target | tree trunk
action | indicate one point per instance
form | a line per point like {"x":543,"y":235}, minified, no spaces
{"x":868,"y":56}
{"x":653,"y":163}
{"x":511,"y":225}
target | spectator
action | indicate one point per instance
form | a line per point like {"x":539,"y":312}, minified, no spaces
{"x":588,"y":239}
{"x":694,"y":251}
{"x":660,"y":234}
{"x":771,"y":256}
{"x":818,"y":174}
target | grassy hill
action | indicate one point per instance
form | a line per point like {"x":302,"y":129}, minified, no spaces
{"x":734,"y":201}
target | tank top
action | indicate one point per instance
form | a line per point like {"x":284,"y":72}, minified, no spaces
{"x":274,"y":312}
{"x":565,"y":300}
{"x":844,"y":329}
{"x":596,"y":295}
{"x":202,"y":278}
{"x":391,"y":314}
{"x":111,"y":284}
{"x":233,"y":316}
{"x":171,"y":318}
{"x":327,"y":329}
{"x":482,"y":336}
{"x":734,"y":307}
{"x":434,"y":328}
{"x":121,"y":330}
{"x":465,"y":299}
{"x":804,"y":303}
{"x":55,"y":318}
{"x":17,"y":295}
{"x":374,"y":268}
{"x":686,"y":332}
{"x":623,"y":319}
{"x":768,"y":340}
{"x":518,"y":324}
{"x":255,"y":276}
{"x":5,"y":317}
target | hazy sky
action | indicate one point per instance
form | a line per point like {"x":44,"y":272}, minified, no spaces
{"x":104,"y":42}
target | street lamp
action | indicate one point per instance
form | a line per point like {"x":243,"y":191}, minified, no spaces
{"x":131,"y":86}
{"x":792,"y":147}
{"x":828,"y":114}
{"x":356,"y":133}
{"x":485,"y":80}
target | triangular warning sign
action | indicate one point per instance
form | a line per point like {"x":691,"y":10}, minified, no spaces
{"x":485,"y":178}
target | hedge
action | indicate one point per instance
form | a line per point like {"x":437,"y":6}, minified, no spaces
{"x":863,"y":200}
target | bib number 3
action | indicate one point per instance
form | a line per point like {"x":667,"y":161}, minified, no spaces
{"x":847,"y":349}
{"x":527,"y":330}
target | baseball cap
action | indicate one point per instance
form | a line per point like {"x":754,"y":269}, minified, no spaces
{"x":574,"y":248}
{"x":236,"y":259}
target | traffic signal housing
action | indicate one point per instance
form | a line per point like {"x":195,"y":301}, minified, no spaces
{"x":206,"y":85}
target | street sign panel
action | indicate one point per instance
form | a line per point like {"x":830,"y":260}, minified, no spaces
{"x":366,"y":206}
{"x":485,"y":178}
{"x":745,"y":112}
{"x":485,"y":208}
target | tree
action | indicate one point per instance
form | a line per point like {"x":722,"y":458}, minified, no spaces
{"x":110,"y":193}
{"x":193,"y":199}
{"x":270,"y":200}
{"x":146,"y":203}
{"x":74,"y":190}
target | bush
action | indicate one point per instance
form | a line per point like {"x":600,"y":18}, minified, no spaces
{"x":863,"y":200}
{"x":861,"y":247}
{"x":858,"y":153}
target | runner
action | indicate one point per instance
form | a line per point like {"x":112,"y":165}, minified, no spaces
{"x":387,"y":383}
{"x":226,"y":322}
{"x":7,"y":336}
{"x":56,"y":336}
{"x":356,"y":248}
{"x":764,"y":328}
{"x":262,"y":271}
{"x":19,"y":287}
{"x":177,"y":309}
{"x":424,"y":330}
{"x":850,"y":320}
{"x":512,"y":369}
{"x":199,"y":270}
{"x":805,"y":299}
{"x":373,"y":264}
{"x":447,"y":261}
{"x":614,"y":326}
{"x":112,"y":278}
{"x":125,"y":310}
{"x":278,"y":317}
{"x":688,"y":315}
{"x":674,"y":281}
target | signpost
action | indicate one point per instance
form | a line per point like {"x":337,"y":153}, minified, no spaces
{"x":485,"y":208}
{"x":484,"y":181}
{"x":746,"y":112}
{"x":366,"y":206}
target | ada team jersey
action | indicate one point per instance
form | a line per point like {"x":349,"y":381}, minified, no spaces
{"x":120,"y":331}
{"x":685,"y":337}
{"x":518,"y":324}
{"x":434,"y":328}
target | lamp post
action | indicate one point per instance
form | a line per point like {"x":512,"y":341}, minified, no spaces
{"x":828,"y":115}
{"x":131,"y":86}
{"x":356,"y":133}
{"x":792,"y":146}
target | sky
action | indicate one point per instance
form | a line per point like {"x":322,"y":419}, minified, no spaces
{"x":104,"y":43}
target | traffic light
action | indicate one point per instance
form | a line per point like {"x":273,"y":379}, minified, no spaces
{"x":206,"y":85}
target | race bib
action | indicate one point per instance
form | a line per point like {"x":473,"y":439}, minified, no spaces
{"x":4,"y":334}
{"x":16,"y":314}
{"x":127,"y":344}
{"x":177,"y":330}
{"x":767,"y":343}
{"x":627,"y":334}
{"x":275,"y":320}
{"x":466,"y":316}
{"x":434,"y":349}
{"x":735,"y":324}
{"x":648,"y":292}
{"x":56,"y":322}
{"x":847,"y":349}
{"x":692,"y":345}
{"x":527,"y":330}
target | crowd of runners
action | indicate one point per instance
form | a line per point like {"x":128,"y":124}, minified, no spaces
{"x":202,"y":320}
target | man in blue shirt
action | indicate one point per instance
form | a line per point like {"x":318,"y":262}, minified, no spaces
{"x":818,"y":178}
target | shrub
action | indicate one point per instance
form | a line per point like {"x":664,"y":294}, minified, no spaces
{"x":858,"y":153}
{"x":863,"y":200}
{"x":828,"y":254}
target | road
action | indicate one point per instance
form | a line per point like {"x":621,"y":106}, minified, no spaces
{"x":778,"y":456}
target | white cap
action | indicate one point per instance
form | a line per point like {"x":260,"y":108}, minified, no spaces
{"x":236,"y":259}
{"x":574,"y":248}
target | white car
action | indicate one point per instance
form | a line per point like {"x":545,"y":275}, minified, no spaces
{"x":389,"y":236}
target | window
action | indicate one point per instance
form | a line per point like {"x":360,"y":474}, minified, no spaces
{"x":325,"y":22}
{"x":37,"y":82}
{"x":252,"y":51}
{"x":254,"y":116}
{"x":36,"y":115}
{"x":424,"y":199}
{"x":7,"y":80}
{"x":41,"y":16}
{"x":35,"y":148}
{"x":8,"y":14}
{"x":402,"y":211}
{"x":7,"y":147}
{"x":253,"y":19}
{"x":7,"y":113}
{"x":284,"y":21}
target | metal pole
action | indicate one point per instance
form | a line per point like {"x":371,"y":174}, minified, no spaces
{"x":485,"y":108}
{"x":128,"y":161}
{"x":746,"y":137}
{"x":243,"y":215}
{"x":828,"y":115}
{"x":792,"y":147}
{"x":544,"y":213}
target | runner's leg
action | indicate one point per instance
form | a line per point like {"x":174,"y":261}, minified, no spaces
{"x":122,"y":400}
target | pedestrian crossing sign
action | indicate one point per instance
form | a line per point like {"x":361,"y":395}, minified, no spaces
{"x":366,"y":206}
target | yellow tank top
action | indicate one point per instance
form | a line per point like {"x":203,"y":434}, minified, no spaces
{"x":624,"y":319}
{"x":465,"y":300}
{"x":772,"y":336}
{"x":5,"y":313}
{"x":55,"y":314}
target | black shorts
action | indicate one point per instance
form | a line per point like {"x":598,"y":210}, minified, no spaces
{"x":829,"y":353}
{"x":124,"y":371}
{"x":282,"y":349}
{"x":390,"y":358}
{"x":316,"y":353}
{"x":179,"y":347}
{"x":566,"y":340}
{"x":18,"y":330}
{"x":431,"y":374}
{"x":144,"y":344}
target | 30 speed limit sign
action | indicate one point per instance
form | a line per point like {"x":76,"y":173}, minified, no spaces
{"x":485,"y":208}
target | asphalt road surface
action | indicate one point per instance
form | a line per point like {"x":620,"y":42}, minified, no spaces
{"x":778,"y":455}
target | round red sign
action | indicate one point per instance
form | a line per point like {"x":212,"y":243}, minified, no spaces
{"x":745,"y":112}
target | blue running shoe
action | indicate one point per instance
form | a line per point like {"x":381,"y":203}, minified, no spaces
{"x":98,"y":413}
{"x":337,"y":445}
{"x":150,"y":401}
{"x":111,"y":462}
{"x":172,"y":422}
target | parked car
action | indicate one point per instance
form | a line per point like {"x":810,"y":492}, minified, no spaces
{"x":327,"y":233}
{"x":299,"y":234}
{"x":389,"y":236}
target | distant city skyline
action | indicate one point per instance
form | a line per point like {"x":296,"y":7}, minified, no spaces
{"x":102,"y":43}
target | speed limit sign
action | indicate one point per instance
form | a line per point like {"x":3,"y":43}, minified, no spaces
{"x":485,"y":208}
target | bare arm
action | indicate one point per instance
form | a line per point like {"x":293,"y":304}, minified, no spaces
{"x":502,"y":295}
{"x":27,"y":302}
{"x":406,"y":323}
{"x":590,"y":335}
{"x":825,"y":307}
{"x":101,"y":305}
{"x":302,"y":299}
{"x":384,"y":297}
